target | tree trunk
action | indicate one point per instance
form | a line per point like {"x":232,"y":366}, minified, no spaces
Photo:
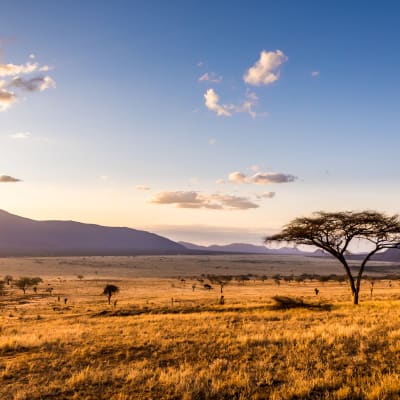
{"x":109,"y":299}
{"x":355,"y":296}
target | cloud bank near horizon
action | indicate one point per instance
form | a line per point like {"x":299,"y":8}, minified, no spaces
{"x":193,"y":199}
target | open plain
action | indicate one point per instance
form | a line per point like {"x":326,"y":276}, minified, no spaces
{"x":166,"y":336}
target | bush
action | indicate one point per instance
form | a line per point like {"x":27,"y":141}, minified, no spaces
{"x":286,"y":303}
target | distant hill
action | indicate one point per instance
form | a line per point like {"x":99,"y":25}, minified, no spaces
{"x":244,"y":248}
{"x":23,"y":236}
{"x":388,"y":255}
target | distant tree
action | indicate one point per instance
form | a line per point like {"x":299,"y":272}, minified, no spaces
{"x":25,"y":282}
{"x":8,"y":279}
{"x":334,"y":231}
{"x":80,"y":277}
{"x":110,"y":290}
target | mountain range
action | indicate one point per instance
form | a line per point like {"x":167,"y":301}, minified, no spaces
{"x":245,"y":248}
{"x":23,"y":236}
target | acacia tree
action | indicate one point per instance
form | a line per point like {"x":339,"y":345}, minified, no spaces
{"x":109,"y":290}
{"x":25,"y":282}
{"x":334,"y":231}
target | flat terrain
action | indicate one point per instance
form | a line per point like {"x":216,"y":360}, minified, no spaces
{"x":180,"y":266}
{"x":167,"y":336}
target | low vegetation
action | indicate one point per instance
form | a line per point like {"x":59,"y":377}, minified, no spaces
{"x":164,"y":340}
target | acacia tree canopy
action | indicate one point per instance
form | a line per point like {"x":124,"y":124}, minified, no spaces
{"x":109,"y":290}
{"x":334,"y":231}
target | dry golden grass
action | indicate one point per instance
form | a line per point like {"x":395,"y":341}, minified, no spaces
{"x":150,"y":347}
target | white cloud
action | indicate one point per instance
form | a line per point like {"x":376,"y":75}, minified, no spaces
{"x":315,"y":73}
{"x":8,"y":179}
{"x":238,"y":177}
{"x":13,"y":80}
{"x":20,"y":135}
{"x":210,"y":77}
{"x":260,"y":178}
{"x":192,"y":199}
{"x":212,"y":103}
{"x":265,"y":71}
{"x":18,"y":69}
{"x":212,"y":141}
{"x":45,"y":68}
{"x":200,"y":64}
{"x":142,"y":187}
{"x":7,"y":99}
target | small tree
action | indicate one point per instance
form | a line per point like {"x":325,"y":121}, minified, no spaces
{"x":25,"y":282}
{"x":334,"y":231}
{"x":8,"y":279}
{"x":110,"y":290}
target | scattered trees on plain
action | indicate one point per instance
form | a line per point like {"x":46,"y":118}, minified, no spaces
{"x":334,"y":231}
{"x":26,"y":282}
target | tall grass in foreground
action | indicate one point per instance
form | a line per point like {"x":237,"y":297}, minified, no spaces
{"x":197,"y":349}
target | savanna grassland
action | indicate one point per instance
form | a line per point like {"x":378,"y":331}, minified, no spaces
{"x":166,"y":336}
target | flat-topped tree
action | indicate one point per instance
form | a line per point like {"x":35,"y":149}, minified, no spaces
{"x":110,"y":290}
{"x":25,"y":282}
{"x":334,"y":231}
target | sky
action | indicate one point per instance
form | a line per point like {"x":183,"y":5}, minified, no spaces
{"x":204,"y":121}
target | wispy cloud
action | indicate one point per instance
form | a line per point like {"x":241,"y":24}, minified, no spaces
{"x":210,"y":77}
{"x":260,"y":178}
{"x":142,"y":187}
{"x":20,"y":135}
{"x":226,"y":110}
{"x":265,"y":178}
{"x":247,"y":106}
{"x":38,"y":83}
{"x":266,"y":70}
{"x":8,"y":179}
{"x":266,"y":195}
{"x":315,"y":73}
{"x":196,"y":200}
{"x":212,"y":141}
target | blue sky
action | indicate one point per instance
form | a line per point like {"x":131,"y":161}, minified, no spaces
{"x":124,"y":110}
